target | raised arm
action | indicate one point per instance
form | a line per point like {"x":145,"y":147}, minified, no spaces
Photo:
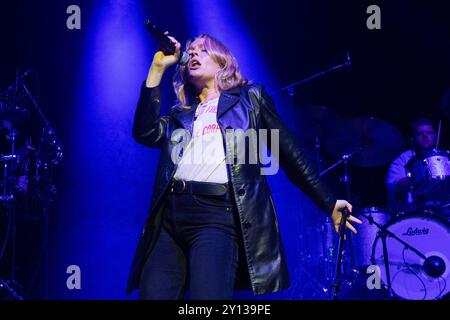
{"x":149,"y":127}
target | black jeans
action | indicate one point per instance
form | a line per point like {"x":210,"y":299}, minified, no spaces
{"x":197,"y":250}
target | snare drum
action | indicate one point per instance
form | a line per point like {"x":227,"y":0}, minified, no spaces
{"x":437,"y":164}
{"x":362,"y":243}
{"x":430,"y":177}
{"x":428,"y":234}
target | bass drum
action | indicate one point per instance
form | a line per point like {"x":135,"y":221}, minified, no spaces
{"x":428,"y":234}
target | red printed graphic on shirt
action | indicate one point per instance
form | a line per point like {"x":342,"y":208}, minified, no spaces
{"x":208,"y":109}
{"x":205,"y":122}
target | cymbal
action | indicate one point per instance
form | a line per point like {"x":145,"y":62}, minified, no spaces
{"x":13,"y":106}
{"x":373,"y":141}
{"x":14,"y":113}
{"x":316,"y":122}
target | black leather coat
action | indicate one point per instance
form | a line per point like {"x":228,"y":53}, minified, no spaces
{"x":239,"y":108}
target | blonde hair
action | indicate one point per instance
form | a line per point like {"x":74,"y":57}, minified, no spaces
{"x":228,"y":77}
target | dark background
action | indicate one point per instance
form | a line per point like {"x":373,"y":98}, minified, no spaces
{"x":398,"y":74}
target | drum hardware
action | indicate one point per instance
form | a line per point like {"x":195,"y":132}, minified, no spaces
{"x":9,"y":164}
{"x":437,"y":164}
{"x":438,"y":134}
{"x":363,"y":242}
{"x":410,"y":197}
{"x":319,"y":118}
{"x":8,"y":197}
{"x":429,"y":175}
{"x":433,"y":264}
{"x":346,"y":65}
{"x":319,"y":115}
{"x":12,"y":109}
{"x":364,"y":142}
{"x":310,"y":281}
{"x":415,"y":277}
{"x":445,"y":104}
{"x":49,"y":154}
{"x":338,"y":271}
{"x":315,"y":126}
{"x":13,"y":106}
{"x":377,"y":142}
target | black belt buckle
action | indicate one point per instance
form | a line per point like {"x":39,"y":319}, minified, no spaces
{"x":178,"y":186}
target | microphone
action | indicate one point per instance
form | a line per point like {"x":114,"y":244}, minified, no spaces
{"x":434,"y":266}
{"x":166,"y":45}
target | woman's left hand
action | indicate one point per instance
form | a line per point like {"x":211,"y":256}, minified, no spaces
{"x":336,"y":216}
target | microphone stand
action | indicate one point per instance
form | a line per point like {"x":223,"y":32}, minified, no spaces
{"x":346,"y":64}
{"x":344,"y":159}
{"x":383,"y":233}
{"x":342,"y":228}
{"x":337,"y":274}
{"x":290,"y":88}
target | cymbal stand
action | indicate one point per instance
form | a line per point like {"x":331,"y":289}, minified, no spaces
{"x":310,"y":280}
{"x":8,"y":197}
{"x":438,"y":135}
{"x":48,"y":134}
{"x":344,"y":159}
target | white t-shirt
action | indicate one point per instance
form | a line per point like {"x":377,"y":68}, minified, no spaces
{"x":203,"y":158}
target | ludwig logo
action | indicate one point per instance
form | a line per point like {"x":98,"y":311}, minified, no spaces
{"x":416,"y":232}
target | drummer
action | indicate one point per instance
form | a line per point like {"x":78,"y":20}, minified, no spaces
{"x":398,"y":182}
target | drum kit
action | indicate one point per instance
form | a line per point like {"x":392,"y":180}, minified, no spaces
{"x":26,"y":176}
{"x":410,"y":248}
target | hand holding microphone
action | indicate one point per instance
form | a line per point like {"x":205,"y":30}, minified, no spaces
{"x":168,"y":54}
{"x":162,"y":59}
{"x":170,"y":49}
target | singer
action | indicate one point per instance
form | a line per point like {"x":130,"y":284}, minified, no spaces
{"x":212,"y":226}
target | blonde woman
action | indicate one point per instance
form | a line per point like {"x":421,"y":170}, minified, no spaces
{"x":212,"y":226}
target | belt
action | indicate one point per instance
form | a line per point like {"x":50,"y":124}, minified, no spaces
{"x":197,"y":187}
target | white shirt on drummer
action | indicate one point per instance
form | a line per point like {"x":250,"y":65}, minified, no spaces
{"x":203,"y":159}
{"x":397,"y":171}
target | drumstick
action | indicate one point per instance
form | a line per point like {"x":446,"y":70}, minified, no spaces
{"x":438,"y":134}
